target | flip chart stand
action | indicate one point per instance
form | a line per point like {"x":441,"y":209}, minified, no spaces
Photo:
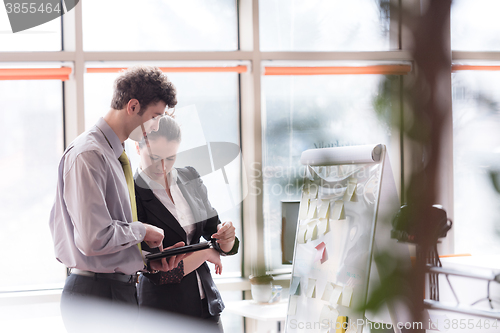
{"x":346,"y":191}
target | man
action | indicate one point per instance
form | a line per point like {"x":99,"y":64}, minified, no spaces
{"x":92,"y":223}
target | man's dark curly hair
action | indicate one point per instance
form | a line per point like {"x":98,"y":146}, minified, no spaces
{"x":147,"y":84}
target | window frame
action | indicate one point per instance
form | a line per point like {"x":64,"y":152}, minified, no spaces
{"x":250,"y":98}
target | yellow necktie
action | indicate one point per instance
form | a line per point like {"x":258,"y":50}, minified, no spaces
{"x":127,"y":170}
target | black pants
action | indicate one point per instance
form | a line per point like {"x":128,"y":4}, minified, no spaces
{"x":205,"y":314}
{"x":98,"y":305}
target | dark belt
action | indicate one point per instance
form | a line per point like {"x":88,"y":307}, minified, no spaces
{"x":132,"y":279}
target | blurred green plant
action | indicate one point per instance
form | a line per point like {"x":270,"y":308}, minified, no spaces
{"x":419,"y":113}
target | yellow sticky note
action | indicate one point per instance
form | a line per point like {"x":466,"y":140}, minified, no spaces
{"x":301,"y":236}
{"x":312,"y":213}
{"x":327,"y":293}
{"x":312,"y":230}
{"x":341,"y":324}
{"x":311,"y":288}
{"x":338,"y":212}
{"x":346,"y":296}
{"x":295,"y":286}
{"x":304,"y":206}
{"x":323,"y":226}
{"x":324,"y":209}
{"x":350,"y":192}
{"x":292,"y":305}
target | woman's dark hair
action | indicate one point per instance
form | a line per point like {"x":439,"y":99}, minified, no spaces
{"x":168,"y":128}
{"x":147,"y":84}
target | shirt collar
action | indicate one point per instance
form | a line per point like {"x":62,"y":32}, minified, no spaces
{"x":171,"y":176}
{"x":110,"y":135}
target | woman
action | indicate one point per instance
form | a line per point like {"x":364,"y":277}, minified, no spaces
{"x":175,"y":200}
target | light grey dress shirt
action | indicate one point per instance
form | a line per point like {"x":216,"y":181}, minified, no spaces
{"x":91,"y":220}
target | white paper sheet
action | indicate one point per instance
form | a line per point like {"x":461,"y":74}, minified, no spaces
{"x":323,"y":226}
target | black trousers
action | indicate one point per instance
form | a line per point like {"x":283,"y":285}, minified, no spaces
{"x":98,"y":305}
{"x":205,"y":314}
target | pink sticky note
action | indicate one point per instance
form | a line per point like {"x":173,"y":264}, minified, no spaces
{"x":321,"y":254}
{"x":325,"y":256}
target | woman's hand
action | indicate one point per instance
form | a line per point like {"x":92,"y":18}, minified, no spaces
{"x":214,"y":257}
{"x":225,"y":236}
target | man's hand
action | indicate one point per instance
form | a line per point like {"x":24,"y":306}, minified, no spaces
{"x":172,"y":262}
{"x":225,"y":236}
{"x":154,"y":236}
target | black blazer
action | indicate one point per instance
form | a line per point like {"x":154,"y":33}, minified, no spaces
{"x":183,"y":297}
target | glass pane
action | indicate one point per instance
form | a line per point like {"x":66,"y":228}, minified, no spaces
{"x":307,"y":112}
{"x":28,"y":159}
{"x":476,"y":152}
{"x":474,"y":25}
{"x":160,"y":25}
{"x":216,"y":98}
{"x":323,"y":25}
{"x":45,"y":37}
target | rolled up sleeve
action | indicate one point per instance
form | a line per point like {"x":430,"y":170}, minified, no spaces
{"x":95,"y":232}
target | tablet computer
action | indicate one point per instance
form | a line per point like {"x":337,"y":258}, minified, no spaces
{"x":178,"y":250}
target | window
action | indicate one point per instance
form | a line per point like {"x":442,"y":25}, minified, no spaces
{"x":45,"y":37}
{"x":474,"y":25}
{"x":159,"y":25}
{"x":31,"y":122}
{"x":323,"y":25}
{"x":307,"y":112}
{"x":476,"y":144}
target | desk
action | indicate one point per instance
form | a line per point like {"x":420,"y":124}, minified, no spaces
{"x":262,"y":317}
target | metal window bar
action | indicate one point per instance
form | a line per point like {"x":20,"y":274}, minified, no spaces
{"x":458,"y":307}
